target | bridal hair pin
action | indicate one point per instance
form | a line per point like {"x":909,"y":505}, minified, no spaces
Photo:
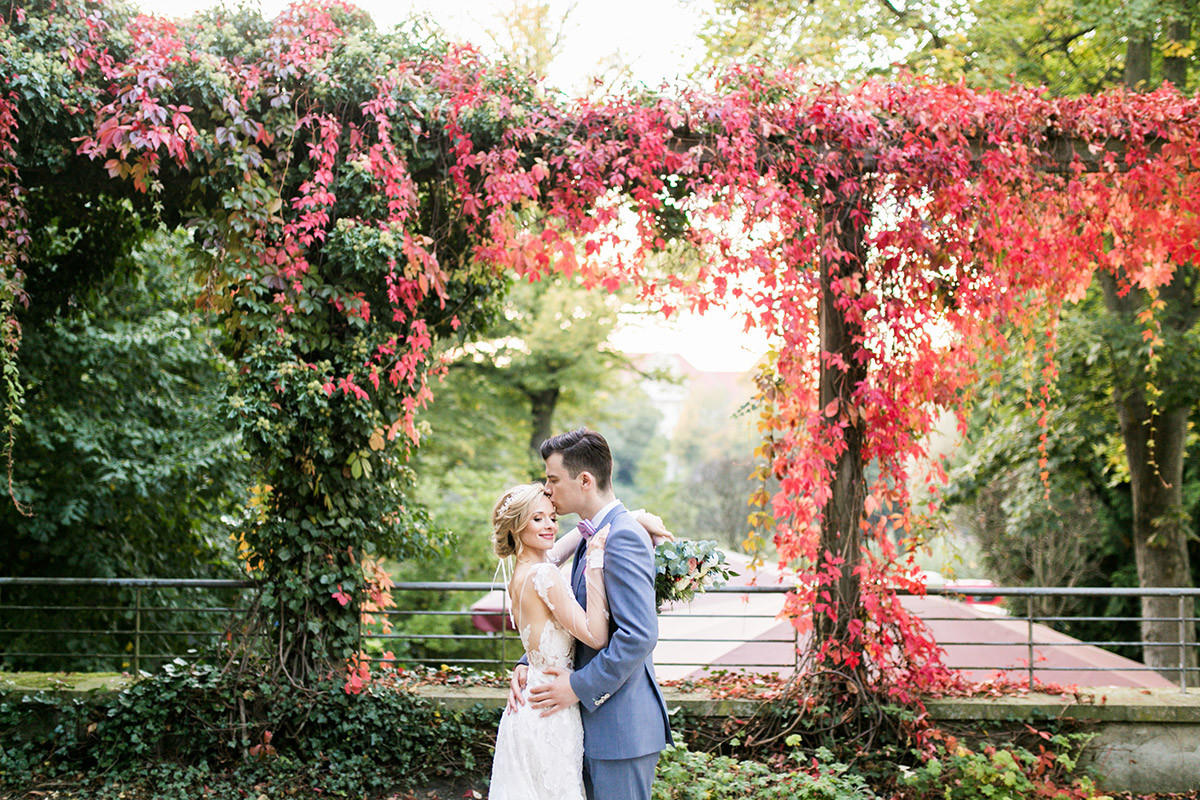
{"x":504,"y":506}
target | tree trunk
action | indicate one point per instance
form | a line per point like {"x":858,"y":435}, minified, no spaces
{"x":1138,"y":50}
{"x":1175,"y":66}
{"x":1155,"y":438}
{"x":541,"y":407}
{"x":841,"y":519}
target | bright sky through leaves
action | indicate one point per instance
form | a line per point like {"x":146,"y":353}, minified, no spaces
{"x":658,"y":41}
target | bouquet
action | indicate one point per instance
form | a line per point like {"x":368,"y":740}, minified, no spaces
{"x":684,"y":568}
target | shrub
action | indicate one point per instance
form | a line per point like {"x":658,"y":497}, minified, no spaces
{"x":190,"y":721}
{"x":1010,"y":772}
{"x":686,"y":775}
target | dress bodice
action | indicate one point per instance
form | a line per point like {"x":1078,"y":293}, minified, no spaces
{"x":549,"y":644}
{"x":555,"y":647}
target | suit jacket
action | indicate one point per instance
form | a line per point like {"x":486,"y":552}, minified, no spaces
{"x":624,"y":715}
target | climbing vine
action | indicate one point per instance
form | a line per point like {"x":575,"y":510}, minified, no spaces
{"x":361,"y":194}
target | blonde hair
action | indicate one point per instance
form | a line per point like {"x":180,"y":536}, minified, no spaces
{"x":511,"y":514}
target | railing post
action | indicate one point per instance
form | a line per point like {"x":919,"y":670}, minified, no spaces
{"x":1182,"y":646}
{"x":1029,"y":636}
{"x":137,"y":630}
{"x":796,"y":647}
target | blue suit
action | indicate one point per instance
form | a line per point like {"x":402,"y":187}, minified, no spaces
{"x":625,"y":723}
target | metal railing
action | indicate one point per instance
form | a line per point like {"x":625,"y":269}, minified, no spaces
{"x":135,"y":623}
{"x":93,"y":623}
{"x":1184,"y":644}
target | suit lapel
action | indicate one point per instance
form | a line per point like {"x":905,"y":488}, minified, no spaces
{"x":577,"y":582}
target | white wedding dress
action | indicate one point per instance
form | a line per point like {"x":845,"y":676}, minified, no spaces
{"x":541,"y":758}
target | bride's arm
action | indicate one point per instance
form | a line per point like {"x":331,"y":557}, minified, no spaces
{"x":590,"y":626}
{"x":565,"y":547}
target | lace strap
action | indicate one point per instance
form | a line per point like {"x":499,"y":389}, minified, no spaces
{"x":543,"y":580}
{"x":518,"y":596}
{"x":504,"y":571}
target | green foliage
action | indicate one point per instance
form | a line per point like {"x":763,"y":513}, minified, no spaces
{"x":1082,"y":534}
{"x":1009,"y":772}
{"x":194,"y":725}
{"x":548,"y":346}
{"x":124,"y":465}
{"x":124,"y":460}
{"x":1070,"y":46}
{"x":687,"y":775}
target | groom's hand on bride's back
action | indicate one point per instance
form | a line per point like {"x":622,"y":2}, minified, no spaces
{"x":516,"y":686}
{"x":550,"y":698}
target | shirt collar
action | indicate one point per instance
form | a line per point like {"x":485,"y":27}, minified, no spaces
{"x":602,"y":513}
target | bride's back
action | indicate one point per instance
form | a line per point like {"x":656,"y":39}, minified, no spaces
{"x":546,"y":641}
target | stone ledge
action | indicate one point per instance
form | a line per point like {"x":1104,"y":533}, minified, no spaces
{"x":1099,"y":704}
{"x":458,"y":697}
{"x":63,"y":683}
{"x":1102,"y":705}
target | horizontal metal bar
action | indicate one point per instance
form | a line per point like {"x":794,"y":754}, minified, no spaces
{"x":484,"y":586}
{"x":66,"y":608}
{"x":145,"y":633}
{"x":1061,"y":591}
{"x":1038,"y":668}
{"x":103,"y":656}
{"x":714,"y":667}
{"x":475,"y":586}
{"x":1023,"y":618}
{"x":791,"y":640}
{"x":6,"y":607}
{"x":443,"y":660}
{"x":1112,"y":619}
{"x":174,"y":583}
{"x":400,"y":612}
{"x":1025,"y":643}
{"x":455,"y":636}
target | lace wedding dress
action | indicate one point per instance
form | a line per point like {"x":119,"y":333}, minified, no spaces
{"x":541,"y":758}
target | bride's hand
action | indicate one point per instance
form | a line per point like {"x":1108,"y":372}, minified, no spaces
{"x":516,"y":685}
{"x":654,"y":526}
{"x":595,"y":549}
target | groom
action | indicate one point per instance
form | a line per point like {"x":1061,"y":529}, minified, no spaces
{"x":625,"y":723}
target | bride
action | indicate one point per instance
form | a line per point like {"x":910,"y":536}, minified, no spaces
{"x":541,"y":757}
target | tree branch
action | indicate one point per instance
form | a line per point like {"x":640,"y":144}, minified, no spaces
{"x":904,"y":15}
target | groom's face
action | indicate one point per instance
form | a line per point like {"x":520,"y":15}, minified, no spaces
{"x":564,"y":491}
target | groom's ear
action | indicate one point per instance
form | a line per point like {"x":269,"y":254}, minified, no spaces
{"x":587,"y":480}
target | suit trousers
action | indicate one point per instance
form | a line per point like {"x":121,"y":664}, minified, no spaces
{"x":620,"y":778}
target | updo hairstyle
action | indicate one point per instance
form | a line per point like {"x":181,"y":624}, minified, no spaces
{"x":511,"y":514}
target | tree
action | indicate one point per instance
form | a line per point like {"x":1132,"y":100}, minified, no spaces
{"x":357,"y":214}
{"x":126,"y":465}
{"x":1069,"y":47}
{"x":125,"y":462}
{"x":530,"y":34}
{"x":550,"y":343}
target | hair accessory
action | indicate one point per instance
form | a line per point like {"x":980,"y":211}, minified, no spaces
{"x":504,"y":506}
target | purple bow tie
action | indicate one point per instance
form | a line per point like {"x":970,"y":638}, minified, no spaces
{"x":587,"y":529}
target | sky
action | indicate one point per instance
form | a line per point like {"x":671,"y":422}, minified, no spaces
{"x":658,"y":40}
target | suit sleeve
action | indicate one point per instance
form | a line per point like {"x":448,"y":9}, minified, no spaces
{"x":629,"y":585}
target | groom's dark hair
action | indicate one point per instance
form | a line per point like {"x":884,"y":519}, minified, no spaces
{"x":582,"y":451}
